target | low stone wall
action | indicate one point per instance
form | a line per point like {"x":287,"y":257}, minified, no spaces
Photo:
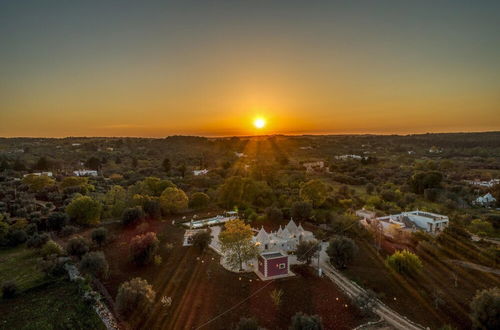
{"x":101,"y":309}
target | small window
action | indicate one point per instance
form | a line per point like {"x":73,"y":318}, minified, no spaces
{"x":282,"y":266}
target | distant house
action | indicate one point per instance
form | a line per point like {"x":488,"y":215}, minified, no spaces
{"x":486,"y":200}
{"x":485,"y":184}
{"x":239,"y":154}
{"x":75,"y":144}
{"x":271,"y":265}
{"x":411,"y":221}
{"x":200,"y":172}
{"x":345,"y":157}
{"x":282,"y":240}
{"x":314,"y":166}
{"x":435,"y":150}
{"x":85,"y":173}
{"x":365,"y":214}
{"x":49,"y":174}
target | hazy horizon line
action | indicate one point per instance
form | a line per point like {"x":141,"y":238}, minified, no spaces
{"x":241,"y":136}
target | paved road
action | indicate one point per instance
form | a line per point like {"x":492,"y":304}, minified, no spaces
{"x":352,"y":289}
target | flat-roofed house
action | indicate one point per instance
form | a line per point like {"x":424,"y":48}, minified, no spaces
{"x":365,"y":214}
{"x":272,"y":265}
{"x":412,"y":221}
{"x":314,"y":166}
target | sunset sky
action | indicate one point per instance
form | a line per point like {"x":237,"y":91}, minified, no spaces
{"x":157,"y":68}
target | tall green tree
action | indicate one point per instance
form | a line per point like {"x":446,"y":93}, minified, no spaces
{"x":199,"y":201}
{"x":42,"y":164}
{"x":84,"y":210}
{"x":150,"y":186}
{"x":37,"y":183}
{"x":306,"y":250}
{"x":421,"y":181}
{"x":93,"y":163}
{"x":115,"y":201}
{"x":173,"y":200}
{"x":166,"y":165}
{"x":341,"y":251}
{"x":230,"y":193}
{"x":315,"y":192}
{"x":76,"y":182}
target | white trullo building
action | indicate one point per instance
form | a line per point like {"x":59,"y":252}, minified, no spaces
{"x":284,"y":239}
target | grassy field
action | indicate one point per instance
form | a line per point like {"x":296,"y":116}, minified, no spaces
{"x":19,"y":265}
{"x":42,"y":303}
{"x":55,"y":305}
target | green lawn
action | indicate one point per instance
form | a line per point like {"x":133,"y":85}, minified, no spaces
{"x":20,"y":265}
{"x":43,"y":303}
{"x":57,"y":305}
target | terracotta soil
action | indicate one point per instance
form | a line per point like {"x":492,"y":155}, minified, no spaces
{"x":415,"y":298}
{"x":201,"y":289}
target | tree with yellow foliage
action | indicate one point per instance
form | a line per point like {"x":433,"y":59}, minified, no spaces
{"x":236,"y":243}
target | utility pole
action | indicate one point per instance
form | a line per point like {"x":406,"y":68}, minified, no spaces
{"x":319,"y":257}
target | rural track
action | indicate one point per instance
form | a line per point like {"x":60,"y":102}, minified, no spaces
{"x":353,"y":290}
{"x":474,"y":266}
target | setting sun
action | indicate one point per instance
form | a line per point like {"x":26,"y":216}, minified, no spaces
{"x":259,"y":123}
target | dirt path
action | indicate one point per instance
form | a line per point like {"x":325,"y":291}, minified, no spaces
{"x":471,"y":265}
{"x":353,"y":290}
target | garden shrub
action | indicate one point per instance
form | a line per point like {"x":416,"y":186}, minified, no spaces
{"x":51,"y":248}
{"x":77,"y":246}
{"x":99,"y":236}
{"x":404,"y":262}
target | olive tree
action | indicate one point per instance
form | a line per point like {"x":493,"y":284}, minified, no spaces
{"x":485,"y":309}
{"x":341,"y":251}
{"x":94,"y":264}
{"x":134,"y":295}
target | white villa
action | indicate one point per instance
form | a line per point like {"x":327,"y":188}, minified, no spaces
{"x":85,"y":173}
{"x":412,"y":221}
{"x":366,"y":214}
{"x":49,"y":174}
{"x":314,"y":166}
{"x":485,"y":200}
{"x":200,"y":172}
{"x":486,"y":184}
{"x":283,"y":240}
{"x":345,"y":157}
